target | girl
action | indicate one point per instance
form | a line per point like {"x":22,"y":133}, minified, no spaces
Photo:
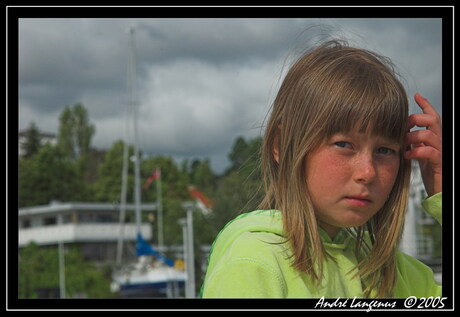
{"x":336,"y":165}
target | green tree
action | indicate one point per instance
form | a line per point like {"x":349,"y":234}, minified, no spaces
{"x":238,"y":155}
{"x":39,"y":269}
{"x":63,"y":172}
{"x":107,"y":188}
{"x":83,"y":130}
{"x":32,"y":143}
{"x":75,"y":131}
{"x":66,"y":136}
{"x":240,"y":189}
{"x":74,"y":140}
{"x":47,"y":176}
{"x":202,"y":176}
{"x":245,"y":157}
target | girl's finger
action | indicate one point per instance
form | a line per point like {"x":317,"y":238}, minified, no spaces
{"x":432,"y":155}
{"x":425,"y":105}
{"x":425,"y":120}
{"x":427,"y":137}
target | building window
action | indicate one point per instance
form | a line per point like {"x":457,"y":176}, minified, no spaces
{"x":25,"y":223}
{"x":85,"y":217}
{"x":96,"y":217}
{"x":105,"y":218}
{"x":67,"y":218}
{"x":425,"y":246}
{"x":49,"y":221}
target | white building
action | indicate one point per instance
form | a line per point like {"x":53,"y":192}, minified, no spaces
{"x":414,"y":241}
{"x":93,"y":226}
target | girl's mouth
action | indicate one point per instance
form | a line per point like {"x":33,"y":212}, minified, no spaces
{"x":357,"y":201}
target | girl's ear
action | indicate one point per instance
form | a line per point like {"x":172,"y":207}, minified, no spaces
{"x":276,"y":155}
{"x":276,"y":146}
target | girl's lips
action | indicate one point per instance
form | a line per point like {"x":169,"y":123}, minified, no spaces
{"x":355,"y":201}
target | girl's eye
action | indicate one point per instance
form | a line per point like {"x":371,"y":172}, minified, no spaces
{"x":343,"y":144}
{"x":385,"y":151}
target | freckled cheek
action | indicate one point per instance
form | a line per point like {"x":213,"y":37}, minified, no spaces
{"x":325,"y":171}
{"x":333,"y":164}
{"x":388,"y":176}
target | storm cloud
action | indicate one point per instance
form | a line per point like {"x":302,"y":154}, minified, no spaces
{"x":200,"y":82}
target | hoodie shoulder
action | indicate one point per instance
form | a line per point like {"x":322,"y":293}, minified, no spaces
{"x":256,"y":221}
{"x":268,"y":221}
{"x":247,"y":248}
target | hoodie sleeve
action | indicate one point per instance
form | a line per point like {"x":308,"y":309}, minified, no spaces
{"x":433,"y":206}
{"x":415,"y":278}
{"x":245,"y":270}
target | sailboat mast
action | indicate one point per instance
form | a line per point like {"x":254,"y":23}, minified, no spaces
{"x":134,"y":106}
{"x":124,"y":181}
{"x":124,"y":178}
{"x":160,"y":211}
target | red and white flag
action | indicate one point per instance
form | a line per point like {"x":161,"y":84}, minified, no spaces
{"x":155,"y":175}
{"x":203,"y":201}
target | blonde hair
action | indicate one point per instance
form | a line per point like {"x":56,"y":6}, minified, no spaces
{"x":335,"y":88}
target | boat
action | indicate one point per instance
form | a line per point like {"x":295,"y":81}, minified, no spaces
{"x":153,"y":274}
{"x":146,"y":279}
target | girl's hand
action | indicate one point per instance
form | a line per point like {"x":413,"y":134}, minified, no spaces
{"x":426,"y":145}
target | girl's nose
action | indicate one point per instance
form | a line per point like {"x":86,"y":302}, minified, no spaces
{"x":364,"y":169}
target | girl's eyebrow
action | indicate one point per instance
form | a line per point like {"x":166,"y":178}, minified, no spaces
{"x":389,"y":143}
{"x":387,"y":140}
{"x":378,"y":138}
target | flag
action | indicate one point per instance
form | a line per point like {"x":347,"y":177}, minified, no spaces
{"x":155,"y":175}
{"x":204,"y":202}
{"x":144,"y":248}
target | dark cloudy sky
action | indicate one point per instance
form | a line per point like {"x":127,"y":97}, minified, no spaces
{"x":200,"y":82}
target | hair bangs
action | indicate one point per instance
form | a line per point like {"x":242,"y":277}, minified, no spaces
{"x":369,"y":102}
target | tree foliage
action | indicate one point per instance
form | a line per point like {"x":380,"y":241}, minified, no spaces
{"x":39,"y":269}
{"x":240,"y":189}
{"x":75,"y":131}
{"x":48,"y":176}
{"x":73,"y":171}
{"x":32,"y":143}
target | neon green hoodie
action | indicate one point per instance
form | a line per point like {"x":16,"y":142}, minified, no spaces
{"x":250,"y":260}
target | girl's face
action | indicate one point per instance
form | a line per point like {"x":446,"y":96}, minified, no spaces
{"x":350,"y":177}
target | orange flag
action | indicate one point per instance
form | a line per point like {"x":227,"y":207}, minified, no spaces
{"x":204,"y":202}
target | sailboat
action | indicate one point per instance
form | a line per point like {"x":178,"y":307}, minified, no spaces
{"x":154,"y":274}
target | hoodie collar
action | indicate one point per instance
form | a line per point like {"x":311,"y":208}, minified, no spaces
{"x":340,"y":241}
